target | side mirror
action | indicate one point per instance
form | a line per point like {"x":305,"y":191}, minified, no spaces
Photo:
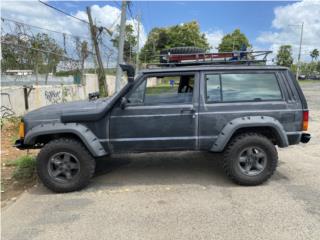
{"x":123,"y":103}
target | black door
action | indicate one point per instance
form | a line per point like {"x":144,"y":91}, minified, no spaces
{"x":161,"y":115}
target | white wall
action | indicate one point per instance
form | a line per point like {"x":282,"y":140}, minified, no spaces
{"x":13,"y":102}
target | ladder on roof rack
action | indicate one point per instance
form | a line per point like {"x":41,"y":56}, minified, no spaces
{"x":236,"y":57}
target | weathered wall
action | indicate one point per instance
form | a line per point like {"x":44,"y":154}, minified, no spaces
{"x":13,"y":101}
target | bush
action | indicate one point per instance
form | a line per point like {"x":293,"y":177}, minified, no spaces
{"x":25,"y":167}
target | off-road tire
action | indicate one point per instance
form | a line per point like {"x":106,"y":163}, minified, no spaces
{"x":234,"y":148}
{"x":185,"y":50}
{"x":69,"y":145}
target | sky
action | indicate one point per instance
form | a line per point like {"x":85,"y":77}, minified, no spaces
{"x":267,"y":24}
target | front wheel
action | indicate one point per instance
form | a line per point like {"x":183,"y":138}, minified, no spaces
{"x":250,"y":159}
{"x":65,"y":165}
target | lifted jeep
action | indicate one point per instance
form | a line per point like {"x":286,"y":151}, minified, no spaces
{"x":241,"y":110}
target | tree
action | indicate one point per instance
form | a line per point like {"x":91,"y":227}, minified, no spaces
{"x":130,"y":43}
{"x":233,"y":41}
{"x":284,"y":56}
{"x":40,"y":53}
{"x":14,"y":57}
{"x":314,"y":54}
{"x":45,"y":61}
{"x":83,"y":54}
{"x":187,"y":34}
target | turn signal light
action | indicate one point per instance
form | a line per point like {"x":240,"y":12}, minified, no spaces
{"x":21,"y":130}
{"x":305,"y":120}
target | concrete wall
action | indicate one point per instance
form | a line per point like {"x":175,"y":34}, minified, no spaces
{"x":13,"y":100}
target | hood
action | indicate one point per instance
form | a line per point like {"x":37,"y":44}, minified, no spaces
{"x":53,"y":113}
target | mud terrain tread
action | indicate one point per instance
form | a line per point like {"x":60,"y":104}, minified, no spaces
{"x":86,"y":159}
{"x":241,"y":139}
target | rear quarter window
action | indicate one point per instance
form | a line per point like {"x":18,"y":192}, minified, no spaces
{"x":235,"y":87}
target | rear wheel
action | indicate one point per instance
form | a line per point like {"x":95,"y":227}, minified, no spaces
{"x":65,"y":165}
{"x":250,"y":159}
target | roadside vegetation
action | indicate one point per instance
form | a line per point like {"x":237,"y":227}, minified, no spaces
{"x":17,"y":167}
{"x":24,"y":167}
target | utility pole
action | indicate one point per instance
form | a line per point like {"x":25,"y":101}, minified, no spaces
{"x":103,"y":88}
{"x":138,"y":43}
{"x":121,"y":44}
{"x":299,"y":55}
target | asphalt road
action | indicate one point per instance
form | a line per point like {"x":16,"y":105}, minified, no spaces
{"x":179,"y":196}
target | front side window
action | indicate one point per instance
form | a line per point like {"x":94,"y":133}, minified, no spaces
{"x":245,"y":87}
{"x":164,"y":90}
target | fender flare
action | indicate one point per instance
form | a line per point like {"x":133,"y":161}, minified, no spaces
{"x":87,"y":137}
{"x":250,"y":121}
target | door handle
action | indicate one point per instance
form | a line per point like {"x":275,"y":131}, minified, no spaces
{"x":190,"y":110}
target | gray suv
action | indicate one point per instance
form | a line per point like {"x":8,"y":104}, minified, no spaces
{"x":239,"y":110}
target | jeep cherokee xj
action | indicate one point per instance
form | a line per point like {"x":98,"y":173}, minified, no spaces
{"x":242,"y":111}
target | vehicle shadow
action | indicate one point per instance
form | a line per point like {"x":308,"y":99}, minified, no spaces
{"x":169,"y":168}
{"x":163,"y":168}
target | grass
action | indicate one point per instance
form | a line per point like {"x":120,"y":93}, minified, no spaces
{"x":308,"y":81}
{"x":24,"y":167}
{"x":11,"y":121}
{"x":160,"y":89}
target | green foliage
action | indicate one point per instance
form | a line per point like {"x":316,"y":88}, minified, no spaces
{"x":284,"y":56}
{"x":130,"y":43}
{"x":25,"y":167}
{"x":233,"y":41}
{"x":307,"y":68}
{"x":11,"y":121}
{"x":66,"y":73}
{"x":314,"y":54}
{"x":187,"y":34}
{"x":22,"y":52}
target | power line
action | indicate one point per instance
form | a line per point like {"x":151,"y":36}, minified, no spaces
{"x":59,"y":10}
{"x":42,"y":28}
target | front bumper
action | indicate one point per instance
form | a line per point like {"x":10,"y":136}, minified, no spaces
{"x":20,"y":145}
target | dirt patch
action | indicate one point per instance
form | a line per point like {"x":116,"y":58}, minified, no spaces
{"x":10,"y":187}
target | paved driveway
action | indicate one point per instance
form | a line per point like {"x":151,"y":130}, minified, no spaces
{"x":179,"y":196}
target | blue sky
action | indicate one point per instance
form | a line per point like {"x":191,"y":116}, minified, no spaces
{"x":251,"y":17}
{"x":267,"y":24}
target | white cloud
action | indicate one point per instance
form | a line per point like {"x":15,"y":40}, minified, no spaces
{"x":214,"y":38}
{"x":35,"y":13}
{"x":286,"y":24}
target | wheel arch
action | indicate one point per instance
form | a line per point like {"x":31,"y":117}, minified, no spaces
{"x":46,"y":132}
{"x":265,"y":125}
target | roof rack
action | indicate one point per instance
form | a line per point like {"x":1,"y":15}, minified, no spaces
{"x":235,"y":57}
